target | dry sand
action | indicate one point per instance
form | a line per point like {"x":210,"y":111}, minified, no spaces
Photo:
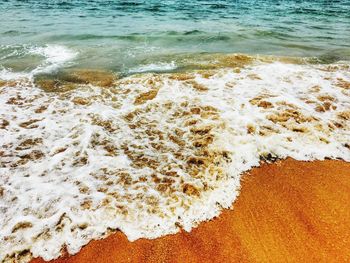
{"x":288,"y":211}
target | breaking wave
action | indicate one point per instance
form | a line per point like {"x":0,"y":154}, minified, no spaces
{"x":51,"y":58}
{"x":150,"y":154}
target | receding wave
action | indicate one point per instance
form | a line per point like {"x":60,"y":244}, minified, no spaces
{"x":85,"y":153}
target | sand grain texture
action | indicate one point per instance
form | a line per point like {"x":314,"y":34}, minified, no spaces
{"x":288,"y":211}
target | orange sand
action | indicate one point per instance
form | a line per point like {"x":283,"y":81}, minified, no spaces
{"x":289,"y":211}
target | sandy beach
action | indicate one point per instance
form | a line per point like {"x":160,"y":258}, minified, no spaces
{"x":287,"y":211}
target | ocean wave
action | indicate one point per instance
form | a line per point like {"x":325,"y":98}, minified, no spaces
{"x":151,"y":154}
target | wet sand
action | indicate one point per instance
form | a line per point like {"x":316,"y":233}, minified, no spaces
{"x":289,"y":211}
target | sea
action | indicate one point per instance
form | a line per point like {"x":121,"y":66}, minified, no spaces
{"x":140,"y":116}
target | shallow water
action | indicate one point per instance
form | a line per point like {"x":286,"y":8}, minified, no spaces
{"x":126,"y":34}
{"x":137,"y":116}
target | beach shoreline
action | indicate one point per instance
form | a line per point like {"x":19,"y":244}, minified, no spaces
{"x":140,"y":123}
{"x":151,"y":154}
{"x":288,"y":210}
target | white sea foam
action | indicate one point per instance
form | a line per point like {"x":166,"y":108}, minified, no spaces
{"x":154,"y":153}
{"x":55,"y":57}
{"x":158,"y":67}
{"x":6,"y":74}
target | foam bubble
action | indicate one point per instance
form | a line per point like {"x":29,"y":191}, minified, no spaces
{"x":155,"y":152}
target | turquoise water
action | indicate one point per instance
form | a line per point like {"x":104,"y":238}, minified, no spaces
{"x":120,"y":35}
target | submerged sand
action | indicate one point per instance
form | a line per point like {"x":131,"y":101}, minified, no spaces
{"x":287,"y":211}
